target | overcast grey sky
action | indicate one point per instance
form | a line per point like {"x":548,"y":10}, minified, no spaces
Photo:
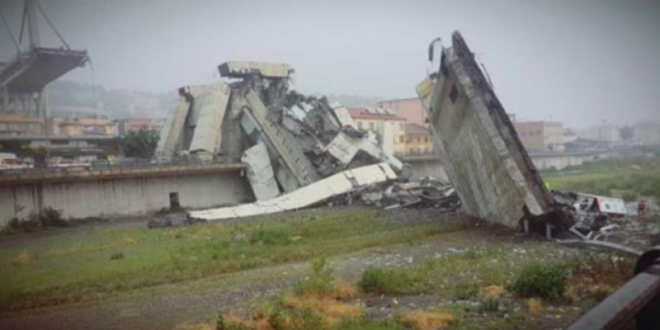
{"x":582,"y":62}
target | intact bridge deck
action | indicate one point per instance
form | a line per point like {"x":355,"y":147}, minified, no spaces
{"x":113,"y":172}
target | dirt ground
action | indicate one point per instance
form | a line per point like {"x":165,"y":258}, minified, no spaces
{"x":167,"y":306}
{"x":171,"y":306}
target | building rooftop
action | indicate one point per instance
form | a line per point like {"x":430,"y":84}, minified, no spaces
{"x":402,"y":99}
{"x":56,"y":138}
{"x":16,"y":118}
{"x":538,"y":122}
{"x":415,"y":129}
{"x":373,"y":113}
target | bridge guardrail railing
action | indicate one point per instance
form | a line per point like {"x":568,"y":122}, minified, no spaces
{"x":132,"y":164}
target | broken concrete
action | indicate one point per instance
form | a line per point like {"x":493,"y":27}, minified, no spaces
{"x":260,"y":172}
{"x":335,"y":185}
{"x":479,"y":148}
{"x":195,"y":125}
{"x":306,"y":138}
{"x":242,"y":69}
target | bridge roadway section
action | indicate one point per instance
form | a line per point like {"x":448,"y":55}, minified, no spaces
{"x":122,"y":191}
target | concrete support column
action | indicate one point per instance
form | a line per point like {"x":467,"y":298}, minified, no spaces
{"x":5,"y":99}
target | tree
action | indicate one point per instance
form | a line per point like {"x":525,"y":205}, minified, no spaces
{"x":141,"y":144}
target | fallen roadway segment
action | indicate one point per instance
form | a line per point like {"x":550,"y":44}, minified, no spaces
{"x":31,"y":71}
{"x":477,"y":143}
{"x":335,"y":185}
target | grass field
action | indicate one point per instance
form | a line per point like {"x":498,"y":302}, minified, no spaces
{"x":465,"y":264}
{"x":629,"y":179}
{"x":511,"y":286}
{"x":86,"y":265}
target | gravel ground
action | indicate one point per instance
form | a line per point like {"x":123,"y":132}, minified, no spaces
{"x":167,"y":306}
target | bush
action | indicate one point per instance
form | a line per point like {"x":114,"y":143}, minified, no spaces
{"x":320,"y":283}
{"x":295,"y":319}
{"x":378,"y":281}
{"x":51,"y":217}
{"x":540,"y":280}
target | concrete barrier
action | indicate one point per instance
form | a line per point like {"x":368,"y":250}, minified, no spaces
{"x":111,"y":196}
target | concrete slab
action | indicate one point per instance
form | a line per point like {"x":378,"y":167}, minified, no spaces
{"x":241,"y":69}
{"x":212,"y":106}
{"x":316,"y":192}
{"x":480,"y":150}
{"x":260,"y":172}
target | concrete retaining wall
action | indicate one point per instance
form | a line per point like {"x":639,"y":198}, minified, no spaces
{"x":123,"y":196}
{"x":431,"y":166}
{"x":559,"y":161}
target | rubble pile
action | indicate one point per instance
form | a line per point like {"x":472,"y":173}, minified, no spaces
{"x":304,"y":151}
{"x":606,"y":222}
{"x":289,"y":140}
{"x":425,"y":194}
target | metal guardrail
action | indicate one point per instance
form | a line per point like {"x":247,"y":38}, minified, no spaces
{"x":406,"y":154}
{"x":431,"y":155}
{"x":133,"y":164}
{"x":636,"y":302}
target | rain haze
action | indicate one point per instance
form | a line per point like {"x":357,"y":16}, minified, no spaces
{"x":297,"y":164}
{"x":582,"y":63}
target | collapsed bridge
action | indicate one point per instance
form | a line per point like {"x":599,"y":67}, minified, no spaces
{"x":289,"y":140}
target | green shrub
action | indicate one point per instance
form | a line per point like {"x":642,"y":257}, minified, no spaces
{"x":321,"y":282}
{"x":546,"y":281}
{"x":51,"y":217}
{"x":378,"y":281}
{"x":295,"y":319}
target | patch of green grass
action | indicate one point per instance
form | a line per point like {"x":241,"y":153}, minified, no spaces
{"x":458,"y":274}
{"x":466,"y":291}
{"x":540,"y":280}
{"x":366,"y":324}
{"x":295,"y":319}
{"x":321,"y":282}
{"x":382,"y":281}
{"x":625,"y":178}
{"x":76,"y":266}
{"x":515,"y":321}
